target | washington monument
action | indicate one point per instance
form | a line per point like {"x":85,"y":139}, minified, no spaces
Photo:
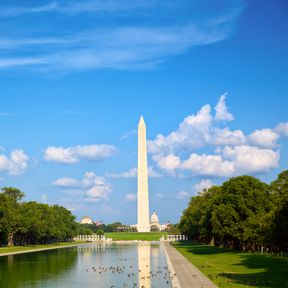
{"x":143,"y":224}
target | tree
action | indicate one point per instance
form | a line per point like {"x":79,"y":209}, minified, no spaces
{"x":240,"y":213}
{"x":190,"y":220}
{"x":196,"y":219}
{"x":10,"y":212}
{"x":100,"y":232}
{"x":279,"y":189}
{"x":173,"y":229}
{"x":238,"y":210}
{"x":280,"y":232}
{"x":84,"y":229}
{"x":113,"y":226}
{"x":31,"y":222}
{"x":154,"y":228}
{"x":13,"y":193}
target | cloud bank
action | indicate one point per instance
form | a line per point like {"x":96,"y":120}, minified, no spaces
{"x":235,"y":153}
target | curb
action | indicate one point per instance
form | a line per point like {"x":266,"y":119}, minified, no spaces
{"x":175,"y":281}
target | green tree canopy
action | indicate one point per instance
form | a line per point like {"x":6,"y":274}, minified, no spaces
{"x":243,"y":212}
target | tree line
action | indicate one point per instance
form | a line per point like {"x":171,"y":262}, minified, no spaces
{"x":243,"y":213}
{"x":89,"y":229}
{"x":25,"y":223}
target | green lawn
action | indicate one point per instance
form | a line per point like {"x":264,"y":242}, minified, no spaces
{"x":151,"y":236}
{"x":4,"y":250}
{"x":232,"y":269}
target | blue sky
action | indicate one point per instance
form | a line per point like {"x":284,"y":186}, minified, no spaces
{"x":210,"y":78}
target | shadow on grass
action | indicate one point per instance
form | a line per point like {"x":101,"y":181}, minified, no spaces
{"x":202,"y":249}
{"x":273,"y":274}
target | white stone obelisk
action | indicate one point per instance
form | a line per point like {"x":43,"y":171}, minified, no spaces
{"x":143,"y":198}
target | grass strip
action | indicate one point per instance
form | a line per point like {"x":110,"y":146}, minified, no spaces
{"x":129,"y":236}
{"x":234,"y":269}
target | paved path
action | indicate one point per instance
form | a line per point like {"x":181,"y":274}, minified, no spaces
{"x":188,"y":275}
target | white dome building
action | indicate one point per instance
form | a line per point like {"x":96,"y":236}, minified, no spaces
{"x":154,"y":219}
{"x":86,"y":220}
{"x":155,"y":223}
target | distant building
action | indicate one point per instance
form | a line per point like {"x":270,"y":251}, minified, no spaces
{"x":154,"y":219}
{"x":86,"y":220}
{"x":98,"y":223}
{"x":154,"y":223}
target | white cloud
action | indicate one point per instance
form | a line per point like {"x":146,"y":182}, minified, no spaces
{"x":60,"y":155}
{"x":265,"y":138}
{"x":168,"y":163}
{"x":232,"y":161}
{"x":199,"y":130}
{"x":89,"y":178}
{"x":17,"y":11}
{"x":67,"y":182}
{"x":282,"y":129}
{"x":73,"y":155}
{"x":221,"y":109}
{"x":223,"y":137}
{"x":197,"y":188}
{"x":128,"y":134}
{"x":152,"y":173}
{"x":203,"y":184}
{"x":98,"y":192}
{"x":234,"y":152}
{"x":208,"y":165}
{"x":98,"y":187}
{"x":130,"y":197}
{"x":144,"y":40}
{"x":15,"y":164}
{"x":95,"y":188}
{"x":183,"y":195}
{"x":251,"y":160}
{"x":132,"y":173}
{"x":73,"y":8}
{"x":194,"y":130}
{"x":159,"y":195}
{"x":21,"y":61}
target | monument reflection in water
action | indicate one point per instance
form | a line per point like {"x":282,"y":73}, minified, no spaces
{"x":92,"y":265}
{"x":144,"y":265}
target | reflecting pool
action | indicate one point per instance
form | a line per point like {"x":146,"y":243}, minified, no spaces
{"x":137,"y":265}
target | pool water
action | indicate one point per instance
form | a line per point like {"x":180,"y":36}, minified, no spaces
{"x":136,"y":265}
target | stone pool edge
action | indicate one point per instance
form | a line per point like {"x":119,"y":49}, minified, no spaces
{"x":175,"y":281}
{"x":39,"y":250}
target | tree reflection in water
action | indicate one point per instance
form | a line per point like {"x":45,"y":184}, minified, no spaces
{"x":30,"y":269}
{"x":98,"y":265}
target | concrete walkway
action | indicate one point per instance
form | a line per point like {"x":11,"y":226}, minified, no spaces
{"x":188,"y":275}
